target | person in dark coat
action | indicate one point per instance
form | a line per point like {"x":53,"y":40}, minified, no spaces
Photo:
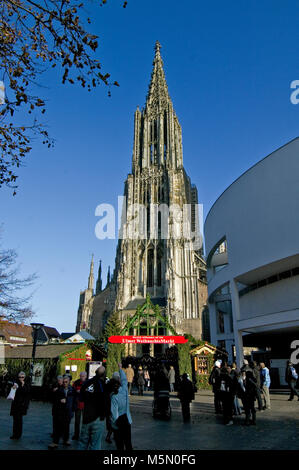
{"x":214,"y":381}
{"x":95,"y":395}
{"x":257,"y":375}
{"x":140,"y":380}
{"x":161,"y":381}
{"x":291,"y":378}
{"x":227,"y":391}
{"x":248,"y":396}
{"x":64,"y":404}
{"x":186,"y":395}
{"x":19,"y":405}
{"x":59,"y":383}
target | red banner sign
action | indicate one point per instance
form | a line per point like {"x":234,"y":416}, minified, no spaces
{"x":148,"y":339}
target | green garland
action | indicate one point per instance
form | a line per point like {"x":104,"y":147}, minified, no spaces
{"x":15,"y":365}
{"x":78,"y":352}
{"x":184,"y":356}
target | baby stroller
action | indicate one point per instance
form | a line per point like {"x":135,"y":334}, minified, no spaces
{"x":161,"y":405}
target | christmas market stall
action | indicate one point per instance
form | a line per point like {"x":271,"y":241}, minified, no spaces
{"x":203,"y":358}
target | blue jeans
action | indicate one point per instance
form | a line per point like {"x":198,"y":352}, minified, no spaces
{"x":91,"y":435}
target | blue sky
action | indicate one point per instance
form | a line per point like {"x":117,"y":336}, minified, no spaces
{"x":228,"y":66}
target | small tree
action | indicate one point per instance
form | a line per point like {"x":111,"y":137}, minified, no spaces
{"x":12,"y":306}
{"x":184,"y":356}
{"x":114,"y":351}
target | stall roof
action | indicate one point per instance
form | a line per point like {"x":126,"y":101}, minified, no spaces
{"x":49,"y":351}
{"x":207,"y":347}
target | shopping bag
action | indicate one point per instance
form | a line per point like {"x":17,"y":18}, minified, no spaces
{"x":11,"y":394}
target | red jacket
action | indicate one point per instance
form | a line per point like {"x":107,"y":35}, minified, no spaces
{"x":77,"y":387}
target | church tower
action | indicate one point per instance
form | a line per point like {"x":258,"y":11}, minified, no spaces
{"x":86,"y":302}
{"x":162,"y":262}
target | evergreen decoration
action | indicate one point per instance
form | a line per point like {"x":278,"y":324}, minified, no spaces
{"x":79,"y":352}
{"x":114,"y":351}
{"x":150,"y":316}
{"x":184,"y":356}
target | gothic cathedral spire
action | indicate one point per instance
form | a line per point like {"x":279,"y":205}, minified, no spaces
{"x":99,"y":280}
{"x":108,"y":276}
{"x":158,"y":97}
{"x":91,"y":276}
{"x":157,"y":133}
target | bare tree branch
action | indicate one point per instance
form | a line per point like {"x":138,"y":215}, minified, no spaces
{"x":13,"y":306}
{"x":35,"y":36}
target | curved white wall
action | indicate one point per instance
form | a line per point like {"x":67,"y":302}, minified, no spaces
{"x":274,"y":298}
{"x":258,"y":214}
{"x":259,"y":217}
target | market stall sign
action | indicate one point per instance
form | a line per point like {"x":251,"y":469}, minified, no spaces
{"x":148,"y":339}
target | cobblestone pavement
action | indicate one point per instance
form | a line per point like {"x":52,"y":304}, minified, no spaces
{"x":276,"y":429}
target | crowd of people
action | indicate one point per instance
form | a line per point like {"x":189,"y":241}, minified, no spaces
{"x":143,"y":379}
{"x":102,"y":406}
{"x":250,"y":384}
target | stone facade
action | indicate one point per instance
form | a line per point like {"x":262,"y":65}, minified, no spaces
{"x":160,"y":261}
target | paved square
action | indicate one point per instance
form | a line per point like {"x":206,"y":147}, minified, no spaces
{"x":277,"y":429}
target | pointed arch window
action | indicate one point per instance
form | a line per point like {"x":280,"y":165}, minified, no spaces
{"x":159,"y":271}
{"x":150,"y":268}
{"x":165,"y":136}
{"x":159,"y":224}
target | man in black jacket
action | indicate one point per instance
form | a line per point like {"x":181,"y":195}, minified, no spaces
{"x":95,"y":395}
{"x":227,"y":391}
{"x":186,"y":395}
{"x":248,"y":394}
{"x":64,"y":405}
{"x":214,"y":381}
{"x":257,"y":375}
{"x":291,"y":378}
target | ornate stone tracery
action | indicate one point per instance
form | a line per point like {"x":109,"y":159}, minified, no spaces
{"x":166,"y":269}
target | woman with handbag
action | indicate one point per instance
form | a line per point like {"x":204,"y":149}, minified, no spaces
{"x":19,"y":405}
{"x":121,"y":419}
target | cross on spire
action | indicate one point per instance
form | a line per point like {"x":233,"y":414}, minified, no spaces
{"x":157,"y":47}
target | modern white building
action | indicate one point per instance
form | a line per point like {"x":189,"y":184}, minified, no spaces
{"x":252,"y":245}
